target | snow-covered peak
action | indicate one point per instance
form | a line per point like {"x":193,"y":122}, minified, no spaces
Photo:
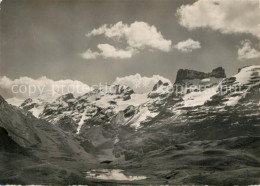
{"x":235,"y":88}
{"x":140,"y":84}
{"x":161,"y":89}
{"x":37,"y":105}
{"x":222,"y":92}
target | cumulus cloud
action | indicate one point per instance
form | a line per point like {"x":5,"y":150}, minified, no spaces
{"x":25,"y":87}
{"x":188,"y":45}
{"x":140,"y":84}
{"x":236,"y":16}
{"x":89,"y":54}
{"x":113,"y":31}
{"x":246,"y":51}
{"x":138,"y":36}
{"x":109,"y":51}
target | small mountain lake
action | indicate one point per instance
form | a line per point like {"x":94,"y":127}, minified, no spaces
{"x":112,"y":174}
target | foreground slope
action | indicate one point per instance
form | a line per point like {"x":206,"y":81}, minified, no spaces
{"x":35,"y":151}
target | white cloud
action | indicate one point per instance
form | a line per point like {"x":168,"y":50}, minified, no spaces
{"x":140,"y":84}
{"x":246,"y":51}
{"x":226,"y":16}
{"x":26,"y":87}
{"x":141,"y":35}
{"x":188,"y":45}
{"x":138,"y":36}
{"x":109,"y":51}
{"x":114,"y":31}
{"x":89,"y":54}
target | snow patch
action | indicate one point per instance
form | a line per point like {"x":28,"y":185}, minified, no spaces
{"x":143,"y":114}
{"x":136,"y":100}
{"x":205,"y":80}
{"x":245,"y":74}
{"x":199,"y":98}
{"x":120,"y":104}
{"x":233,"y":101}
{"x":36,"y":111}
{"x":81,"y":122}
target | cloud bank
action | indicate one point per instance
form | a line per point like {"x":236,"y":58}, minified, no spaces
{"x":226,"y":16}
{"x":188,"y":45}
{"x":246,"y":51}
{"x":137,"y":36}
{"x":140,"y":84}
{"x":26,"y":87}
{"x":17,"y":90}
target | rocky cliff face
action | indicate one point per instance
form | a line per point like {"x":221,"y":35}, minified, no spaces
{"x":185,"y":74}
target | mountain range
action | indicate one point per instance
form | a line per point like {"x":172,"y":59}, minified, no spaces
{"x":202,"y":129}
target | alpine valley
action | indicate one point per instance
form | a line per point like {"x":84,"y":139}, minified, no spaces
{"x":202,"y":129}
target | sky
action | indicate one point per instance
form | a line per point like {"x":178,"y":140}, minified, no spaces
{"x":96,"y":41}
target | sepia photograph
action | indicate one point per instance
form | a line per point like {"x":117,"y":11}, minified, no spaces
{"x":129,"y":92}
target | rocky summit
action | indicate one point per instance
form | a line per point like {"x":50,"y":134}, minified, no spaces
{"x":203,"y":129}
{"x":186,"y":74}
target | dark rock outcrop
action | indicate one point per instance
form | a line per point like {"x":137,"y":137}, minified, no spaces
{"x":67,"y":124}
{"x":120,"y":89}
{"x":7,"y":144}
{"x":126,"y":97}
{"x":2,"y":100}
{"x":129,"y":111}
{"x":186,"y":74}
{"x":160,"y":89}
{"x":27,"y":101}
{"x":66,"y":97}
{"x":157,"y":85}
